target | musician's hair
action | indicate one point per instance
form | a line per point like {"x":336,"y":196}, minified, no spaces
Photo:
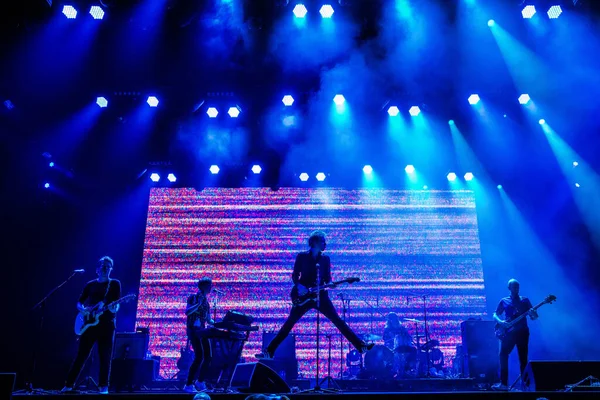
{"x":314,"y":236}
{"x":391,"y":316}
{"x":106,"y":258}
{"x":513,"y":281}
{"x":204,"y":282}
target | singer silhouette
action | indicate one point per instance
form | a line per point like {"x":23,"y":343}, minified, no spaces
{"x":311,"y":269}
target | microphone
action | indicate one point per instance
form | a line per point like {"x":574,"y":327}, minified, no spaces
{"x":79,"y":271}
{"x":218,"y":291}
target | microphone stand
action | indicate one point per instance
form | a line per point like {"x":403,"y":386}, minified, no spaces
{"x":42,"y":306}
{"x":344,"y":309}
{"x":428,"y":375}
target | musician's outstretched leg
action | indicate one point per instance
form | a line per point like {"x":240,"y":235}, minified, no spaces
{"x":328,"y":310}
{"x":86,"y":343}
{"x":295,"y":314}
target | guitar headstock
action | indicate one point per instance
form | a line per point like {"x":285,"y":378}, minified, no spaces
{"x":550,"y":299}
{"x":352,"y":280}
{"x":127,"y":298}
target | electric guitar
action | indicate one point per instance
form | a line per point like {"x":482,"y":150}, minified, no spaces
{"x":311,"y":294}
{"x":503,"y":330}
{"x":86,"y":320}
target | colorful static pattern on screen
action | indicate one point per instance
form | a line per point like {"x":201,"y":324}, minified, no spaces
{"x":402,"y":244}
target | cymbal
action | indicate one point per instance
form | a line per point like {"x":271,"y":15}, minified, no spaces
{"x":431,"y":344}
{"x":411,"y":320}
{"x":369,"y":337}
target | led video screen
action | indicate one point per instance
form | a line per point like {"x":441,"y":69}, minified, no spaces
{"x":412,"y":250}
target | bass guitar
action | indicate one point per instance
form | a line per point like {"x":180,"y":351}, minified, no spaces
{"x":503,"y":330}
{"x":92,"y":318}
{"x":299,"y":299}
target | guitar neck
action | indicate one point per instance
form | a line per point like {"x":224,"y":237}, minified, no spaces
{"x":520,"y":317}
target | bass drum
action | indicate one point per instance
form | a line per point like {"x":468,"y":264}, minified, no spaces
{"x":379,"y":362}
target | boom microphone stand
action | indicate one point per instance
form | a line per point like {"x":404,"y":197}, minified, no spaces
{"x":42,"y":306}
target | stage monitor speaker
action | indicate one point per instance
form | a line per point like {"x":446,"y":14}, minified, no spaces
{"x":130,"y":345}
{"x":285,"y":368}
{"x":7,"y":385}
{"x":555,"y":375}
{"x":133,"y":373}
{"x":286,"y":350}
{"x":257,"y":378}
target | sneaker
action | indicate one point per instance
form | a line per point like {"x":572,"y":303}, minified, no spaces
{"x":66,"y":389}
{"x":189,"y":389}
{"x":366,"y":347}
{"x":200,"y":386}
{"x":265,"y":355}
{"x":103,"y":390}
{"x":500,"y":387}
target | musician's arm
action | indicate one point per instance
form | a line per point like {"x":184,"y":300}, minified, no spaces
{"x":115,"y":294}
{"x":327,"y":270}
{"x":82,"y":298}
{"x":499,"y":311}
{"x":297,"y":269}
{"x":192,"y":305}
{"x":532,"y":313}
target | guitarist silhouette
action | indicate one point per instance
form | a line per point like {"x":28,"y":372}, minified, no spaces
{"x":513,"y":307}
{"x":304,"y":277}
{"x":104,"y":290}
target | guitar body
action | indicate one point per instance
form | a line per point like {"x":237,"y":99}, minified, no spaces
{"x":311,"y":294}
{"x":502,"y":331}
{"x":84,"y":322}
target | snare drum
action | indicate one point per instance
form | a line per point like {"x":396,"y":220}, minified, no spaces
{"x":379,"y":362}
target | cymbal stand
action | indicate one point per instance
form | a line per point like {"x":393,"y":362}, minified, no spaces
{"x":328,"y":378}
{"x":345,"y":308}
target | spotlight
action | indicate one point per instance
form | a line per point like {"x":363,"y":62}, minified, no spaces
{"x":542,"y":121}
{"x":414,"y":111}
{"x":102,"y":102}
{"x":256,"y":169}
{"x":96,"y":12}
{"x":326,"y":11}
{"x":320,"y":176}
{"x":409,"y":169}
{"x":287,"y":100}
{"x":339,"y":99}
{"x":554,"y":12}
{"x":70,"y":12}
{"x":152,"y":101}
{"x":154,"y":177}
{"x":469,"y":176}
{"x":425,"y":187}
{"x":300,"y":11}
{"x":451,"y":122}
{"x":524,"y":99}
{"x":233,"y":112}
{"x":172,"y":178}
{"x":528,"y":11}
{"x":212,"y":112}
{"x":289,"y":120}
{"x":575,"y":163}
{"x":51,"y":165}
{"x":499,"y":187}
{"x":577,"y":185}
{"x":474,"y":99}
{"x":304,"y":177}
{"x":393,"y":111}
{"x":451,"y":176}
{"x":214,"y":169}
{"x":367,"y":169}
{"x":47,"y":185}
{"x":491,"y":23}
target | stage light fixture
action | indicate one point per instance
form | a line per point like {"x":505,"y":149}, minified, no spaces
{"x":474,"y":99}
{"x":451,"y":176}
{"x":320,"y":176}
{"x":367,"y":169}
{"x":69,"y":11}
{"x":289,"y":120}
{"x":96,"y":12}
{"x":102,"y":102}
{"x":577,"y":185}
{"x":425,"y":187}
{"x":326,"y":11}
{"x":469,"y":176}
{"x":491,"y":23}
{"x":172,"y":178}
{"x":528,"y":11}
{"x":256,"y":169}
{"x":233,"y":112}
{"x":524,"y":99}
{"x":542,"y":121}
{"x":451,"y":122}
{"x":393,"y":111}
{"x":575,"y":163}
{"x":214,"y":169}
{"x":414,"y":111}
{"x":410,"y":169}
{"x":287,"y":100}
{"x":339,"y":99}
{"x":212,"y":112}
{"x":154,"y":177}
{"x":152,"y":101}
{"x":51,"y":164}
{"x":554,"y":12}
{"x":499,"y":187}
{"x":47,"y":185}
{"x":304,"y":177}
{"x":300,"y":11}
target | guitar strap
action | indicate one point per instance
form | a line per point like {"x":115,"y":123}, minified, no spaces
{"x":106,"y":293}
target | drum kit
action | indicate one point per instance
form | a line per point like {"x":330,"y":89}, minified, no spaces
{"x":400,"y":358}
